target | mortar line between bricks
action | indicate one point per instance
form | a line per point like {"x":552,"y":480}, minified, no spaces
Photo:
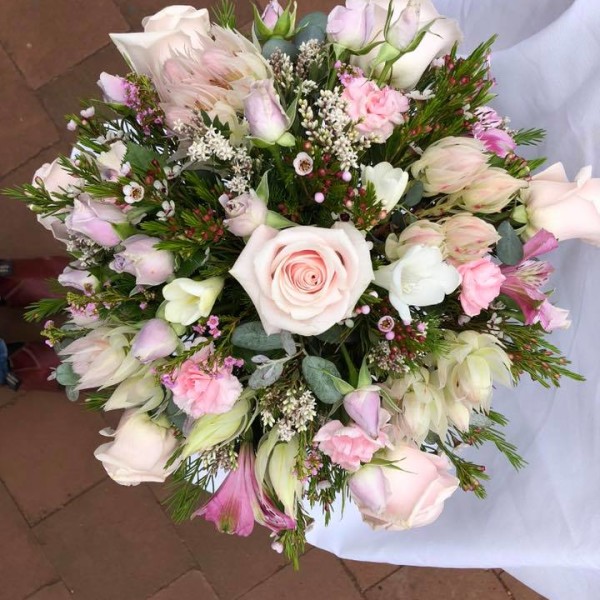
{"x":368,"y":589}
{"x":184,"y":543}
{"x":14,"y":500}
{"x":33,"y":157}
{"x":269,"y":577}
{"x":43,"y":587}
{"x":508,"y":591}
{"x":351,"y":576}
{"x":34,"y":524}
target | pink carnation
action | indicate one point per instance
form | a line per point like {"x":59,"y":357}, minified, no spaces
{"x":348,"y":446}
{"x":481,"y":282}
{"x":377,"y":110}
{"x":200,"y":389}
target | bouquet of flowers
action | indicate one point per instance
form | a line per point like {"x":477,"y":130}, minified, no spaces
{"x":302,"y":260}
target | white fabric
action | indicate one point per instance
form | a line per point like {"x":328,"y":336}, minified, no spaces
{"x":541,"y":524}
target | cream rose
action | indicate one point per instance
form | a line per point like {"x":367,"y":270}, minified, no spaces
{"x":304,"y":279}
{"x":140,"y":450}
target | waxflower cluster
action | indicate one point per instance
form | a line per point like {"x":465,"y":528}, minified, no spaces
{"x":303,"y":261}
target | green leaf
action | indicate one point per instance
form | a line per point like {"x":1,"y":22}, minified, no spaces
{"x":191,"y":265}
{"x":124,"y":230}
{"x":141,"y":157}
{"x":364,"y":377}
{"x":72,"y":393}
{"x":265,"y":375}
{"x":313,"y":19}
{"x":66,"y":376}
{"x":510,"y":248}
{"x":252,"y":336}
{"x":333,"y":335}
{"x":318,"y":373}
{"x":414,"y":195}
{"x":262,"y":191}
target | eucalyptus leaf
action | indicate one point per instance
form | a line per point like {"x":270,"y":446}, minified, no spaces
{"x":72,"y":393}
{"x":414,"y":195}
{"x":318,"y":373}
{"x":65,"y":375}
{"x":265,"y":376}
{"x":252,"y":336}
{"x":310,"y":32}
{"x":313,"y":19}
{"x":509,"y":248}
{"x":140,"y":157}
{"x":288,"y":343}
{"x":175,"y":415}
{"x":278,"y":44}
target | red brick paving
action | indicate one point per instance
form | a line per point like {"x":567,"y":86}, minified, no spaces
{"x":66,"y":531}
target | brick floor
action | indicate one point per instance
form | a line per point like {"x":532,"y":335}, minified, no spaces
{"x":66,"y":531}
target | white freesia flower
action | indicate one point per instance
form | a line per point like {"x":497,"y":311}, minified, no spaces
{"x":210,"y":430}
{"x":189,"y":300}
{"x":475,"y":361}
{"x":419,"y":278}
{"x":141,"y":391}
{"x":389,"y":183}
{"x":102,"y":357}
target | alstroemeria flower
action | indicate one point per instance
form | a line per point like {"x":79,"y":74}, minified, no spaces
{"x":524,"y":281}
{"x":239,"y":502}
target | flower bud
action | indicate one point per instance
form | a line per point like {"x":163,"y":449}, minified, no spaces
{"x":423,"y":233}
{"x":244,"y":213}
{"x":156,"y":339}
{"x":450,"y":165}
{"x":141,"y":258}
{"x":363,"y":407}
{"x":468,"y":237}
{"x":266,"y":118}
{"x":389,"y":183}
{"x":352,"y":26}
{"x":489,"y":192}
{"x":95,"y":220}
{"x":189,"y":300}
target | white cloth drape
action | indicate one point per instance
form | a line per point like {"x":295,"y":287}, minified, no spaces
{"x":541,"y":524}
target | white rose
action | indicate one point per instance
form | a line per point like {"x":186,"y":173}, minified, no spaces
{"x":172,"y":30}
{"x":389,"y":183}
{"x":140,"y":450}
{"x":419,"y":278}
{"x":189,"y":300}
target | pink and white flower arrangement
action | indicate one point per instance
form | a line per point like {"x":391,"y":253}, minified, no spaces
{"x":296,"y":270}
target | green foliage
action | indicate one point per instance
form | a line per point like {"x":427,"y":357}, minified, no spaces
{"x":318,"y":373}
{"x":224,"y":14}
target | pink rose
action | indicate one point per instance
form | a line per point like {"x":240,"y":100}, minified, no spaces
{"x":377,"y":110}
{"x":410,"y":493}
{"x":95,"y":220}
{"x":56,"y":179}
{"x":468,"y":237}
{"x":348,"y":446}
{"x":481,"y":283}
{"x":263,"y":111}
{"x":244,"y":213}
{"x":201,"y":389}
{"x":352,"y":26}
{"x":114,"y":88}
{"x":79,"y":280}
{"x":568,"y":210}
{"x":141,"y":258}
{"x":304,"y":279}
{"x":271,"y":14}
{"x":156,"y":339}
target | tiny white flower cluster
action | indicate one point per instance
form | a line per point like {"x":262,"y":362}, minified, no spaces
{"x":86,"y":250}
{"x":210,"y":145}
{"x":283,"y":69}
{"x":219,"y":458}
{"x":297,"y":409}
{"x":332,"y":128}
{"x":310,"y":53}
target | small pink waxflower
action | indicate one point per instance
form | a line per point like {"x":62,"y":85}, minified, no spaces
{"x":376,"y":110}
{"x":240,"y":501}
{"x":202,"y":389}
